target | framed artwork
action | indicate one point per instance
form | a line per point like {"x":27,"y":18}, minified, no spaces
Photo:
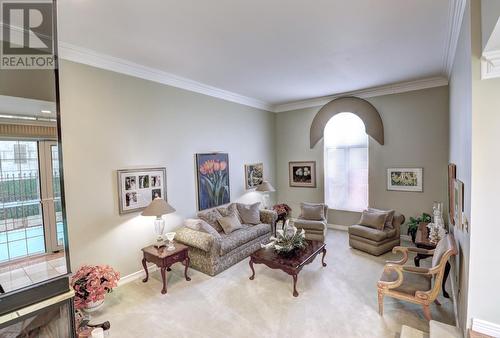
{"x":212,"y":171}
{"x":452,"y":175}
{"x":458,"y":203}
{"x":302,"y":174}
{"x":254,"y":175}
{"x":405,"y":179}
{"x":138,"y":187}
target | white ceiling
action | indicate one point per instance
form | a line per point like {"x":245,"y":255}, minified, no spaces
{"x":275,"y":51}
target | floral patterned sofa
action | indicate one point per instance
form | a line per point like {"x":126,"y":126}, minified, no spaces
{"x":212,"y":255}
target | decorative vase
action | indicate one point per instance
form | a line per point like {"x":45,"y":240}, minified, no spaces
{"x":94,"y":306}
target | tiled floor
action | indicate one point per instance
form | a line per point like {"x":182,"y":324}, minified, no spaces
{"x":30,"y":271}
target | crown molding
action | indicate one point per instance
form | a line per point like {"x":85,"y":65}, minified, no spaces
{"x":456,"y":12}
{"x":490,"y":65}
{"x":484,"y":327}
{"x":89,"y":57}
{"x":395,"y":88}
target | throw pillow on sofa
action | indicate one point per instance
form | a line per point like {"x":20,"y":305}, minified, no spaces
{"x":230,"y":223}
{"x":211,"y":216}
{"x":312,"y":211}
{"x":373,"y":220}
{"x":389,"y":216}
{"x":228,"y":210}
{"x":250,"y":214}
{"x":201,"y":225}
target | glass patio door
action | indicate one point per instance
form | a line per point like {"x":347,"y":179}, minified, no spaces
{"x":51,"y":192}
{"x":30,"y":199}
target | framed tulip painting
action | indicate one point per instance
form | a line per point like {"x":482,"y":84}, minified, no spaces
{"x":213,"y":180}
{"x":302,"y":174}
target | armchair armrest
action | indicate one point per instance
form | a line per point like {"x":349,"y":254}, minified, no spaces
{"x":415,"y":269}
{"x":382,"y":284}
{"x":404,"y":250}
{"x":197,"y":239}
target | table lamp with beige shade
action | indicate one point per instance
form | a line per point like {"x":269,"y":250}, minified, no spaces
{"x":265,"y":188}
{"x":158,"y":207}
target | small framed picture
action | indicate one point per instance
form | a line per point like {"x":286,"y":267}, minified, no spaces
{"x":405,"y":179}
{"x":138,"y":187}
{"x":302,"y":174}
{"x":458,"y":203}
{"x":254,"y":175}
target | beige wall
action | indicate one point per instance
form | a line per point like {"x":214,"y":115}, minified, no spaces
{"x":461,"y":152}
{"x":112,"y":121}
{"x":416,"y":135}
{"x":484,"y":273}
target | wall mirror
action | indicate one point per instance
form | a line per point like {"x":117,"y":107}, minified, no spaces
{"x":33,"y":235}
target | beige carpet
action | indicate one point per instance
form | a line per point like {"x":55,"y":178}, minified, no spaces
{"x":337,"y":301}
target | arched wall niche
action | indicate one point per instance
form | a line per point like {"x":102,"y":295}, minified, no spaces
{"x":362,"y":108}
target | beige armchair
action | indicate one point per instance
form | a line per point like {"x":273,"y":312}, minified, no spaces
{"x":313,"y":219}
{"x":414,"y":284}
{"x":375,"y":241}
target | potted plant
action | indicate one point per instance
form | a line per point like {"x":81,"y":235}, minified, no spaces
{"x":91,"y":283}
{"x":413,"y":224}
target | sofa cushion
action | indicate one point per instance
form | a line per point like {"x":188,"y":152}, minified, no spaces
{"x":195,"y":238}
{"x":250,"y":214}
{"x":312,"y":211}
{"x":389,"y":216}
{"x":367,"y":232}
{"x":241,"y":236}
{"x":230,"y":223}
{"x":373,"y":220}
{"x":412,"y":282}
{"x":211,"y":216}
{"x":307,"y":224}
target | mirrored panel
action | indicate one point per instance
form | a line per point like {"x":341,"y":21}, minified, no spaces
{"x":33,"y":244}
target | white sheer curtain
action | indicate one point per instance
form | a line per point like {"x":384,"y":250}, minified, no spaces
{"x":346,"y":163}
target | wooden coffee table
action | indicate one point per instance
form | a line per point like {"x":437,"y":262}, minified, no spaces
{"x":291,"y":265}
{"x":164,"y":259}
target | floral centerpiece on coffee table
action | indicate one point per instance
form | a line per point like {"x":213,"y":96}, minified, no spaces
{"x":287,"y":241}
{"x":91,"y":284}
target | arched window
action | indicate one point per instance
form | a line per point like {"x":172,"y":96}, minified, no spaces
{"x":346,"y":163}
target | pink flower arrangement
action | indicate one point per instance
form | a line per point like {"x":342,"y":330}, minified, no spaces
{"x":282,"y":209}
{"x":91,"y":283}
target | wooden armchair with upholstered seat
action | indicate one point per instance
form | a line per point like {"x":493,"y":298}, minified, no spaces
{"x":414,"y":284}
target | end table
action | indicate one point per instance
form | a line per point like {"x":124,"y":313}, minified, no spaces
{"x":164,"y":259}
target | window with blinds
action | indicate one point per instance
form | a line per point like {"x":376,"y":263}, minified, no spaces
{"x":346,"y":163}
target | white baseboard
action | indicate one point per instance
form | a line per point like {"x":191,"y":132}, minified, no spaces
{"x":337,"y":227}
{"x":136,"y":275}
{"x":484,"y":327}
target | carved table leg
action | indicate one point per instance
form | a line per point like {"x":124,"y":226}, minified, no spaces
{"x":251,"y":267}
{"x":417,"y":259}
{"x":295,"y":293}
{"x":186,"y":265}
{"x":145,"y":269}
{"x":445,"y":277}
{"x":164,"y":279}
{"x":323,"y":258}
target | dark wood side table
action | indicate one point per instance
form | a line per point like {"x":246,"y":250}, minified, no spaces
{"x":422,"y":241}
{"x":291,"y":265}
{"x":164,"y":259}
